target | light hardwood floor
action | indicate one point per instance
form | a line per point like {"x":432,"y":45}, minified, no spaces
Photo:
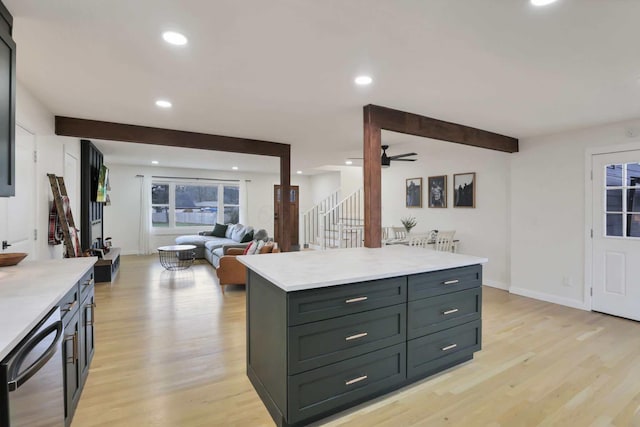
{"x":171,"y":352}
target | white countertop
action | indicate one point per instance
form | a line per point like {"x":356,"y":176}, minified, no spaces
{"x":295,"y":271}
{"x":29,"y":290}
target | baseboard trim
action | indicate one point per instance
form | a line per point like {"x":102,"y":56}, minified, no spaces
{"x":568,"y":302}
{"x":495,"y":284}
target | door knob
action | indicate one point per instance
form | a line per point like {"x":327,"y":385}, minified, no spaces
{"x":5,"y":245}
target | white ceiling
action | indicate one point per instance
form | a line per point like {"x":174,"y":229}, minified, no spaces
{"x":283,"y":70}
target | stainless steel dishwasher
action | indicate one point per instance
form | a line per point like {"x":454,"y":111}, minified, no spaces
{"x":31,"y":387}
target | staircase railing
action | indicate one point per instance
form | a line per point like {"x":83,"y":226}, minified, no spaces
{"x":343,"y":225}
{"x":312,"y":218}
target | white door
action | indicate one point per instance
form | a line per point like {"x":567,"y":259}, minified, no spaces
{"x":616,"y":234}
{"x":20,"y":210}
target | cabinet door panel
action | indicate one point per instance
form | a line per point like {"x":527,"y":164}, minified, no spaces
{"x":431,"y":353}
{"x":334,"y":386}
{"x":320,"y":304}
{"x":7,"y":114}
{"x":71,"y":363}
{"x":87,"y":345}
{"x":426,"y":285}
{"x":316,"y":344}
{"x":429,"y":315}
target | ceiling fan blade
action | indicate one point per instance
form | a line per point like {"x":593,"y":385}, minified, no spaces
{"x":403,"y":160}
{"x":398,"y":156}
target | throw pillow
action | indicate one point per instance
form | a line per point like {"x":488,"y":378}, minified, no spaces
{"x":219,"y":230}
{"x":259,"y":246}
{"x":246,"y":250}
{"x":237,"y":233}
{"x":230,"y":228}
{"x":261,"y":234}
{"x":247,"y":237}
{"x":253,"y":247}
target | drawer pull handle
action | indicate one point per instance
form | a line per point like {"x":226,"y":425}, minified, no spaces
{"x":356,"y":336}
{"x":88,"y":282}
{"x":453,"y":310}
{"x":359,"y":299}
{"x":70,"y":306}
{"x":451,"y":282}
{"x":356,"y":380}
{"x":449,"y":347}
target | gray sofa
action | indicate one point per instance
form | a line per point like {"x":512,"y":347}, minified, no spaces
{"x":212,"y":248}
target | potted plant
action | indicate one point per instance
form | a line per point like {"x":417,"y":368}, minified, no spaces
{"x":409,"y":222}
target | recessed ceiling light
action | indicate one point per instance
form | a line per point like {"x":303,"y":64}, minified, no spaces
{"x":363,"y":80}
{"x":348,"y":162}
{"x":163,"y":103}
{"x":154,"y":162}
{"x":298,"y":172}
{"x":542,"y":2}
{"x":174,"y":38}
{"x":235,"y":168}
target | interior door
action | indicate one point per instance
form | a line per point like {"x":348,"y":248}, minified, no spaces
{"x":20,"y":215}
{"x":294,"y":200}
{"x":616,"y":234}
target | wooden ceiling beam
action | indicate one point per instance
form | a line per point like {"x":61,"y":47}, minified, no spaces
{"x":427,"y":127}
{"x":83,"y":128}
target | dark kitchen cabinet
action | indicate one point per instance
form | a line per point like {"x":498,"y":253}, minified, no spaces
{"x":7,"y":104}
{"x":314,"y":352}
{"x":77,"y":310}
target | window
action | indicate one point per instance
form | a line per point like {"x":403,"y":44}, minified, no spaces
{"x":622,"y":200}
{"x":186,"y":204}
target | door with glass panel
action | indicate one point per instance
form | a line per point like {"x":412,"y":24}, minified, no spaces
{"x":616,"y":234}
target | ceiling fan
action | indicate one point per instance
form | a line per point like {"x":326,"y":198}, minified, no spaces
{"x":385,"y":159}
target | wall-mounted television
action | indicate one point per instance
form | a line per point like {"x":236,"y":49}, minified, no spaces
{"x":103,"y":183}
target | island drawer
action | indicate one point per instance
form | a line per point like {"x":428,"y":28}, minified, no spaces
{"x":429,"y":315}
{"x":320,"y":304}
{"x":425,"y":285}
{"x":69,"y":303}
{"x":434,"y":352}
{"x":313,"y":345}
{"x":325,"y":389}
{"x":86,"y":284}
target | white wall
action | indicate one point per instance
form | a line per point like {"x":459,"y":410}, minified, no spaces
{"x":548,"y":211}
{"x":121,"y":218}
{"x":483,"y":231}
{"x":34,"y":117}
{"x":322,"y":185}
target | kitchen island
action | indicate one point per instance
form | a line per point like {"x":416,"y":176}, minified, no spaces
{"x":327,"y":330}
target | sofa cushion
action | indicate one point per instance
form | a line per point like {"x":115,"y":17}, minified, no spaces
{"x":238,"y":233}
{"x":218,"y":252}
{"x":229,"y":232}
{"x":219,"y":230}
{"x":192,"y":240}
{"x":217,"y":242}
{"x":247,"y":237}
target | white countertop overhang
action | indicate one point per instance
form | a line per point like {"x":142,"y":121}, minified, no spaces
{"x":28,"y":292}
{"x":296,"y":271}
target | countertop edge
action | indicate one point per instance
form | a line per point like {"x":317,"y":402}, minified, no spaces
{"x":245,"y":260}
{"x":73,"y":280}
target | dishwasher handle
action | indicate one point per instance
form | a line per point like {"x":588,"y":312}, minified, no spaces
{"x":17,"y":378}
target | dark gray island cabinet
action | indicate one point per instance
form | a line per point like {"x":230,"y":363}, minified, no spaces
{"x":314,"y":349}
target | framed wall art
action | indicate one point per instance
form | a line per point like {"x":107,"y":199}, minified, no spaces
{"x":464,"y":190}
{"x":414,"y":192}
{"x":437,"y":187}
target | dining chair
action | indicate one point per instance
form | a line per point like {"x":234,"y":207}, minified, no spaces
{"x":444,"y":241}
{"x":399,"y":232}
{"x":419,"y":240}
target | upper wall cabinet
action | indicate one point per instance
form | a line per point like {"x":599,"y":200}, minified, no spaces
{"x":7,"y":104}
